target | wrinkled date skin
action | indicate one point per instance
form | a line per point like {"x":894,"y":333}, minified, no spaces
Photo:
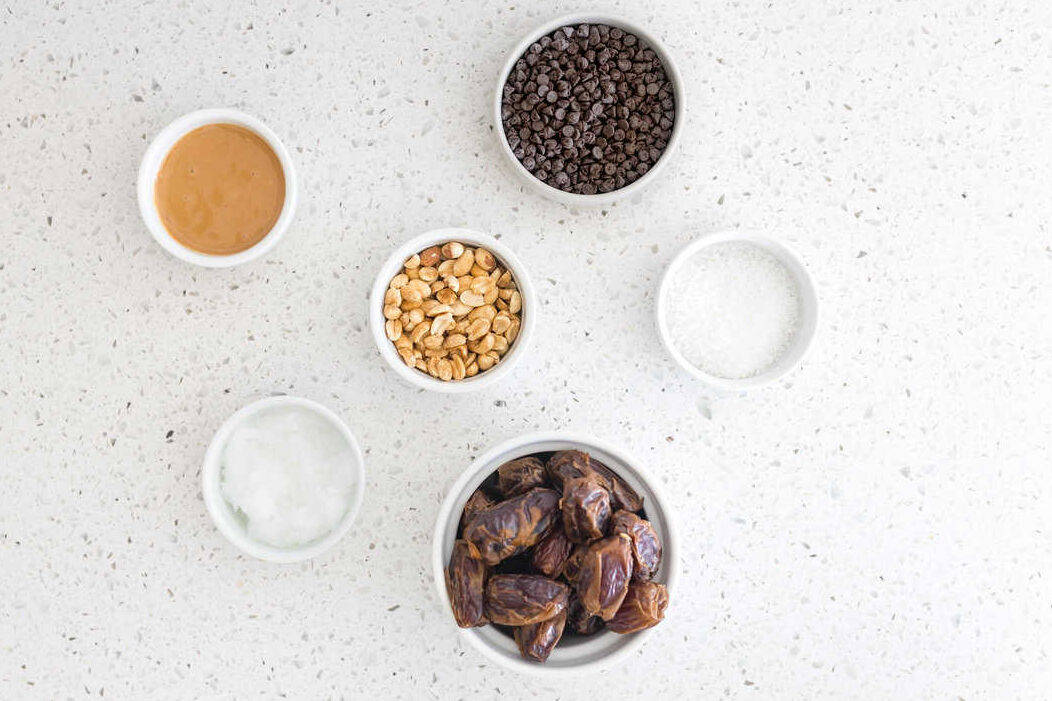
{"x":520,"y":476}
{"x":512,"y":525}
{"x":646,"y":546}
{"x":644,"y":606}
{"x":537,"y":640}
{"x":466,"y":582}
{"x":579,"y":620}
{"x":621,"y":495}
{"x":567,"y":464}
{"x":550,"y":553}
{"x":573,"y":563}
{"x":479,"y":501}
{"x":606,"y":570}
{"x":586,"y":509}
{"x":521,"y":599}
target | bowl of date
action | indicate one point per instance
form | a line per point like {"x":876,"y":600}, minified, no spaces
{"x":555,"y":553}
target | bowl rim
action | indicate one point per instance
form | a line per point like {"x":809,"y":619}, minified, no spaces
{"x":802,"y":343}
{"x":671,"y":70}
{"x":159,"y":148}
{"x":219,"y":509}
{"x":486,"y":462}
{"x":389,"y":269}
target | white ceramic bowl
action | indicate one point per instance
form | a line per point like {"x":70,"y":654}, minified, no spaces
{"x":393,"y":266}
{"x":232,"y":526}
{"x":806,"y":327}
{"x":154,"y":158}
{"x":578,"y":654}
{"x":671,"y":71}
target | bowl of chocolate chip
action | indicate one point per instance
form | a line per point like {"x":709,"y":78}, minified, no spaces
{"x":588,"y":109}
{"x":555,"y":554}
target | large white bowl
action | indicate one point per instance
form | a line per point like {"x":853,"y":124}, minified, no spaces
{"x":393,"y":266}
{"x":671,"y":71}
{"x":154,"y":158}
{"x":806,"y":325}
{"x":579,"y":654}
{"x":228,"y":522}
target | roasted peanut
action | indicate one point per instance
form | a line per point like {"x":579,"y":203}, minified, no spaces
{"x":487,"y":361}
{"x":453,"y":249}
{"x":478,"y":328}
{"x":446,"y":296}
{"x":472,"y":299}
{"x":463,"y":264}
{"x":501,"y":322}
{"x":430,"y":256}
{"x":440,"y":324}
{"x":486,"y":311}
{"x":485,"y":259}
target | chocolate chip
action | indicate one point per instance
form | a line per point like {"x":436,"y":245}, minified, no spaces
{"x":588,"y":108}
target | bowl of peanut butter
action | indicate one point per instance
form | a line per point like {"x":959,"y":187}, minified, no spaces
{"x":217,"y":188}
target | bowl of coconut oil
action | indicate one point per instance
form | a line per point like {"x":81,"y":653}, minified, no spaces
{"x":283,"y":479}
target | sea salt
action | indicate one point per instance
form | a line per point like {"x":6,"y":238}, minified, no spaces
{"x":732,"y":309}
{"x":289,"y":472}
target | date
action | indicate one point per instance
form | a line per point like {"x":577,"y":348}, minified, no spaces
{"x":646,"y":546}
{"x":537,"y":640}
{"x":579,"y":620}
{"x":644,"y":606}
{"x":550,"y":554}
{"x":478,"y":501}
{"x":521,"y":599}
{"x":573,"y":563}
{"x":511,"y":526}
{"x":621,"y":495}
{"x":465,"y":583}
{"x":520,"y":476}
{"x":568,"y":464}
{"x":585,"y":507}
{"x":603,"y":579}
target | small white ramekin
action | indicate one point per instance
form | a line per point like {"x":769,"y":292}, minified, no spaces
{"x":580,"y":654}
{"x":154,"y":158}
{"x":224,"y":516}
{"x":806,"y":327}
{"x":393,"y":266}
{"x":571,"y":198}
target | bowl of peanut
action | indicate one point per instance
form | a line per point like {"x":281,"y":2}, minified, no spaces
{"x":452,"y":310}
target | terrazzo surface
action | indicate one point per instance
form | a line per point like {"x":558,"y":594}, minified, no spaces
{"x":878,"y":525}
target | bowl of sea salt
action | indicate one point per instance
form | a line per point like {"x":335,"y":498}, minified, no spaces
{"x":737,"y":310}
{"x":283,"y":479}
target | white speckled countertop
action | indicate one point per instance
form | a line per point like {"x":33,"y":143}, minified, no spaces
{"x":879,"y":525}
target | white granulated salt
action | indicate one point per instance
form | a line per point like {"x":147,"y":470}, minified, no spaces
{"x":290,"y":473}
{"x":732,"y":309}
